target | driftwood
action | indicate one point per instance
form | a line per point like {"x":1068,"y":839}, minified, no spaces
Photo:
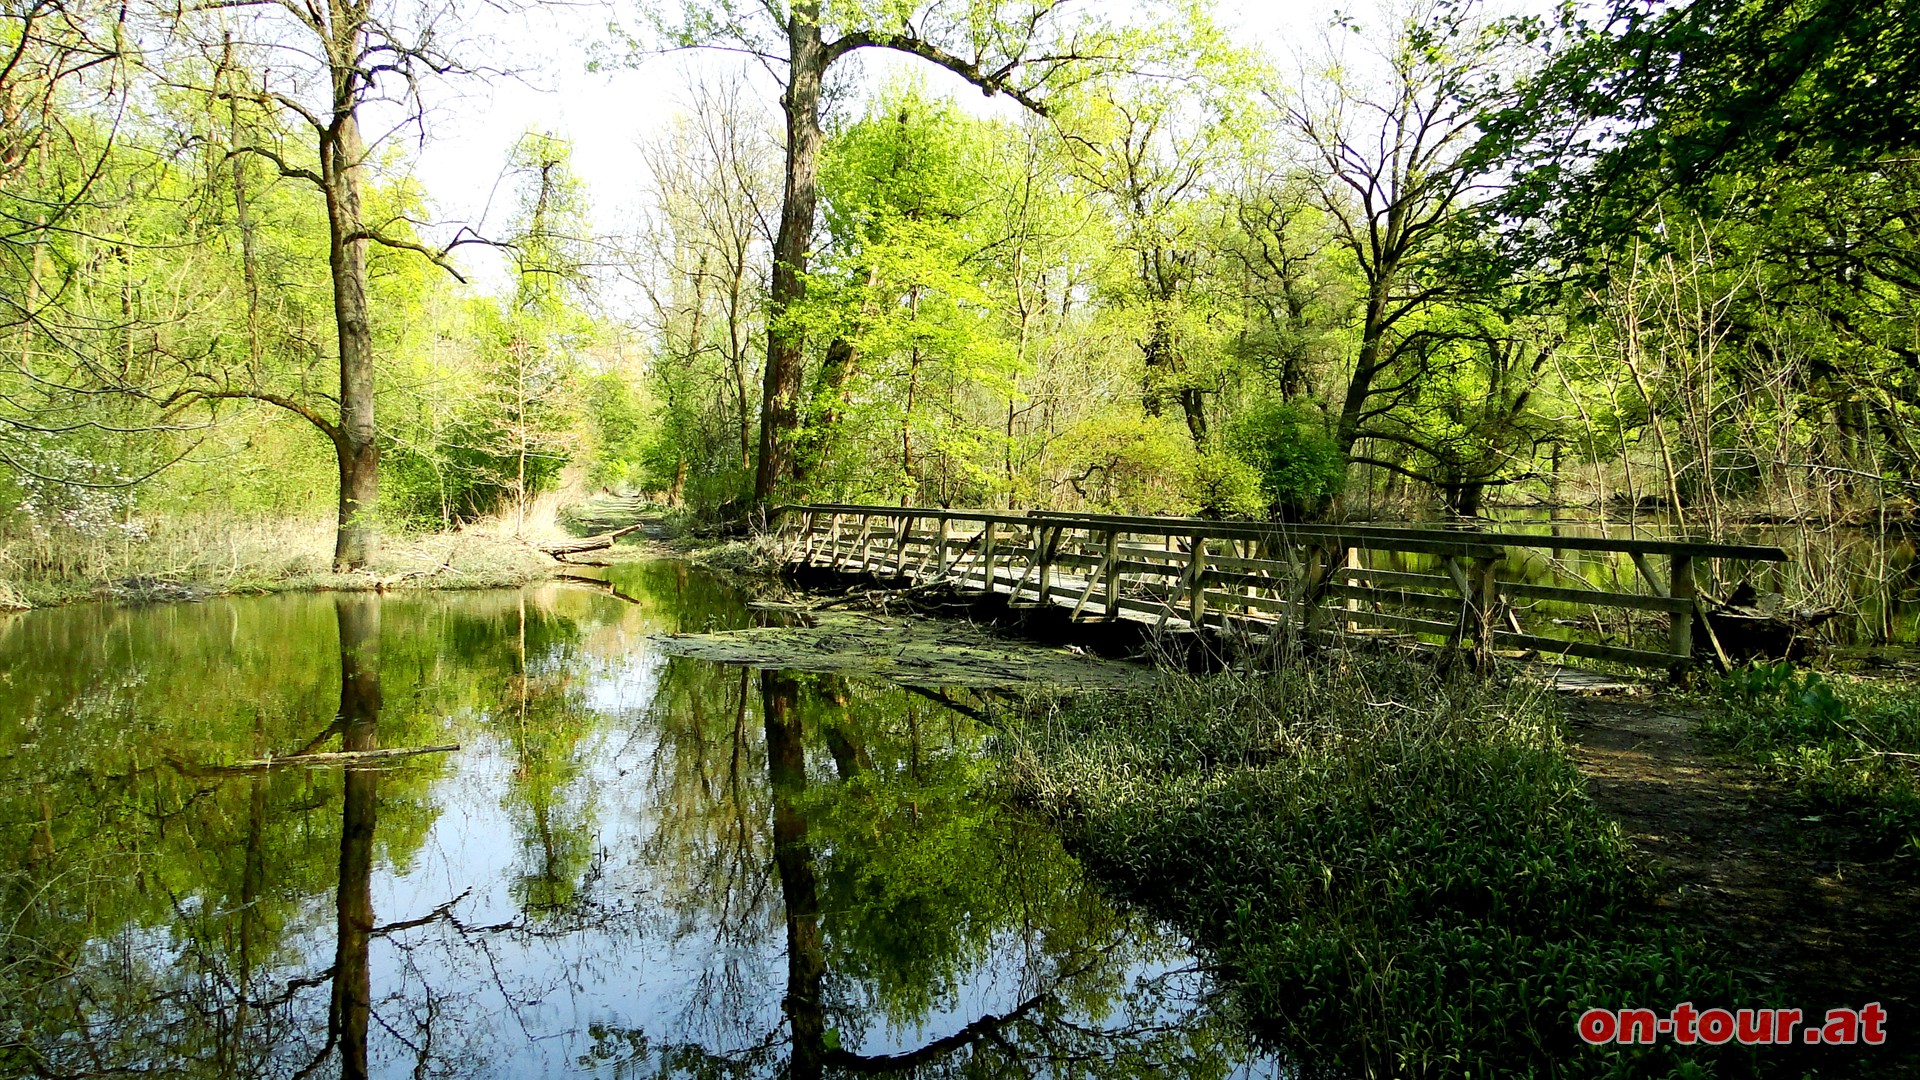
{"x":589,"y":543}
{"x":1759,"y":626}
{"x":340,"y":757}
{"x":382,"y":584}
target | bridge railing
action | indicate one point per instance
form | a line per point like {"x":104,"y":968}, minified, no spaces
{"x":1458,"y":586}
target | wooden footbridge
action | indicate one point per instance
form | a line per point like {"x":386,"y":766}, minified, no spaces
{"x":1449,"y":586}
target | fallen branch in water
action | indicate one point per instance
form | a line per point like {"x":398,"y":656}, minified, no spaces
{"x":590,"y":543}
{"x":338,"y":757}
{"x":598,"y":585}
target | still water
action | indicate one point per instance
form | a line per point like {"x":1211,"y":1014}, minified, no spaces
{"x":634,"y":866}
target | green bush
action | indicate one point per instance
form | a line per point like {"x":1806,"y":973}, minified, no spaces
{"x":1229,"y":487}
{"x":1298,"y":464}
{"x":468,"y":471}
{"x":620,"y":430}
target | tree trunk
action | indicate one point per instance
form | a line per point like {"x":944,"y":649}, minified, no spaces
{"x":786,"y":343}
{"x":1193,"y":403}
{"x":737,"y":351}
{"x":1373,"y":334}
{"x":359,"y":455}
{"x":359,"y":486}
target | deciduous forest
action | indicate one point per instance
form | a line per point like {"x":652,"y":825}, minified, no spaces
{"x":1439,"y":258}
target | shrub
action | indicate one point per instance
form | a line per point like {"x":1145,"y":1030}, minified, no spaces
{"x":1299,"y":466}
{"x":1229,"y":487}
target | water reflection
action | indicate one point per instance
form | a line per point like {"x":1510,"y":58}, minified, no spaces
{"x":352,"y":1002}
{"x":635,"y":866}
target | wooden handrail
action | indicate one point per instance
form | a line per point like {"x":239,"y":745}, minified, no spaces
{"x":1240,"y":575}
{"x":1369,"y":536}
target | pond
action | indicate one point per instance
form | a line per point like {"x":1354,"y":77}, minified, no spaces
{"x":633,"y":866}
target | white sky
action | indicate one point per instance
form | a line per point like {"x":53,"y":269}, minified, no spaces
{"x":608,"y":114}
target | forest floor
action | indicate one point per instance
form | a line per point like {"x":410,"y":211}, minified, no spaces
{"x":1819,"y":913}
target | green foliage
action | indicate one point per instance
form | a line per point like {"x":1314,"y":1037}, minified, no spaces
{"x":1124,"y":463}
{"x":905,"y":290}
{"x":1846,"y":746}
{"x":1691,"y":92}
{"x":509,"y":428}
{"x":1228,"y":487}
{"x":618,"y":422}
{"x":1400,"y":875}
{"x":1298,"y":465}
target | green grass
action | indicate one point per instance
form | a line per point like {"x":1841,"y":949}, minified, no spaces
{"x":1397,"y":874}
{"x":1848,"y":746}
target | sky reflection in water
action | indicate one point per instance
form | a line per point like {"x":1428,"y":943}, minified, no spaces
{"x":635,"y":866}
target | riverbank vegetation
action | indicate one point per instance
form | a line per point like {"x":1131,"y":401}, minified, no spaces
{"x":1849,"y":747}
{"x":1442,"y":258}
{"x":1399,"y":873}
{"x":182,"y":558}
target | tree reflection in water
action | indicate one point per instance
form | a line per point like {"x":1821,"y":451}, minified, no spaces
{"x":359,"y":808}
{"x":627,"y":871}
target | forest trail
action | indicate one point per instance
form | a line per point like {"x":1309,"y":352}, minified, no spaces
{"x":1796,"y":895}
{"x":606,"y":513}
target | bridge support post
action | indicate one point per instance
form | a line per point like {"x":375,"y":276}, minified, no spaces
{"x":986,"y":558}
{"x":865,"y":541}
{"x":1113,"y":575}
{"x":1486,"y":598}
{"x":1680,"y":586}
{"x":1044,"y":541}
{"x":1197,"y":581}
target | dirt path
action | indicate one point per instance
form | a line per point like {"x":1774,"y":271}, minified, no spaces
{"x":1794,"y":898}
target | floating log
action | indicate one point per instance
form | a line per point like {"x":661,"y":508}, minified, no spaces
{"x":598,"y":585}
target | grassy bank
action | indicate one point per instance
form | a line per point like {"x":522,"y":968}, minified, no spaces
{"x":1397,"y":874}
{"x":1850,"y":747}
{"x":184,"y":558}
